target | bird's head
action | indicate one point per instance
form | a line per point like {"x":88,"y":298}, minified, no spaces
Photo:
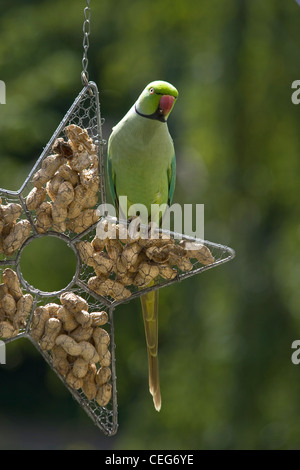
{"x":157,"y":100}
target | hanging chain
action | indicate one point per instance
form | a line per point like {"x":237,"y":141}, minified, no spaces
{"x":86,"y":43}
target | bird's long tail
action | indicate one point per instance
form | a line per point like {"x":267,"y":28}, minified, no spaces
{"x":150,"y":314}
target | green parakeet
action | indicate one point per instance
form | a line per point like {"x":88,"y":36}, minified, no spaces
{"x":141,"y":165}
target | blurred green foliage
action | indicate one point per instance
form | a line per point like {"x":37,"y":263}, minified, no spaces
{"x":225,"y":336}
{"x":54,"y":269}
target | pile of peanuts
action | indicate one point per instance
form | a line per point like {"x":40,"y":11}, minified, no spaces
{"x":15,"y":307}
{"x":120,"y":261}
{"x":70,"y":179}
{"x":78,"y":346}
{"x":13,"y":232}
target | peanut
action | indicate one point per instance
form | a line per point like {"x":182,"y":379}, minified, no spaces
{"x":104,"y":394}
{"x":146,"y":273}
{"x":11,"y":281}
{"x":103,"y":376}
{"x":10,"y":213}
{"x":60,"y":361}
{"x":80,"y":368}
{"x":88,"y":352}
{"x":66,"y":172}
{"x":83,"y":317}
{"x":53,"y":185}
{"x":35,"y":198}
{"x":83,"y":221}
{"x":197,"y":250}
{"x":73,"y":381}
{"x":48,"y":168}
{"x":67,"y":319}
{"x":73,"y":303}
{"x":114,"y":289}
{"x":44,"y":217}
{"x":9,"y":306}
{"x":7,"y":330}
{"x":82,"y":333}
{"x":64,"y":197}
{"x":102,"y":341}
{"x":89,"y":387}
{"x":17,"y":236}
{"x":62,"y":147}
{"x":99,"y":318}
{"x":24,"y":306}
{"x":40,"y":316}
{"x":79,"y":139}
{"x":69,"y":345}
{"x":51,"y":332}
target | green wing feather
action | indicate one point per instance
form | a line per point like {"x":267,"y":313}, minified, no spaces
{"x":111,"y":180}
{"x":172,"y":179}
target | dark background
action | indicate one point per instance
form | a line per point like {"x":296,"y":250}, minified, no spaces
{"x":225,"y":336}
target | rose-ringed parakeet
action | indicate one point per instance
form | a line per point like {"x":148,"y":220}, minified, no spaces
{"x":141,"y":166}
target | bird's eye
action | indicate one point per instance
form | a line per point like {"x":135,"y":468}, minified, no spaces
{"x":151,"y":91}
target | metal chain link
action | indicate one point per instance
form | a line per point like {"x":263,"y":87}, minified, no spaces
{"x":86,"y":43}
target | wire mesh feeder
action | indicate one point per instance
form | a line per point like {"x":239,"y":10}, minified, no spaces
{"x":71,"y":328}
{"x":121,"y":264}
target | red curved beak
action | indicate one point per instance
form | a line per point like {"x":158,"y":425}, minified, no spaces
{"x":166,"y":104}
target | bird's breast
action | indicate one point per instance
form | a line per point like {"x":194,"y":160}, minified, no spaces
{"x":141,"y":151}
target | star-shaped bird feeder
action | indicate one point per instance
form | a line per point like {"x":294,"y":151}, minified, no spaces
{"x":73,"y":328}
